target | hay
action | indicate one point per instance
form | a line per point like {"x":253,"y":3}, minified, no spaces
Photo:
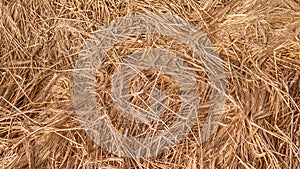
{"x":259,"y":42}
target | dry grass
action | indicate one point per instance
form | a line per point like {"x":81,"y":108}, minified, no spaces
{"x":259,"y":41}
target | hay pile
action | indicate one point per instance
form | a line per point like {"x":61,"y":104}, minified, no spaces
{"x":259,"y":42}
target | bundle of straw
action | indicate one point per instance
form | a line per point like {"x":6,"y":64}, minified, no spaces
{"x":258,"y":41}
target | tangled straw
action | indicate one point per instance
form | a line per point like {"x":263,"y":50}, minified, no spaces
{"x":94,"y":55}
